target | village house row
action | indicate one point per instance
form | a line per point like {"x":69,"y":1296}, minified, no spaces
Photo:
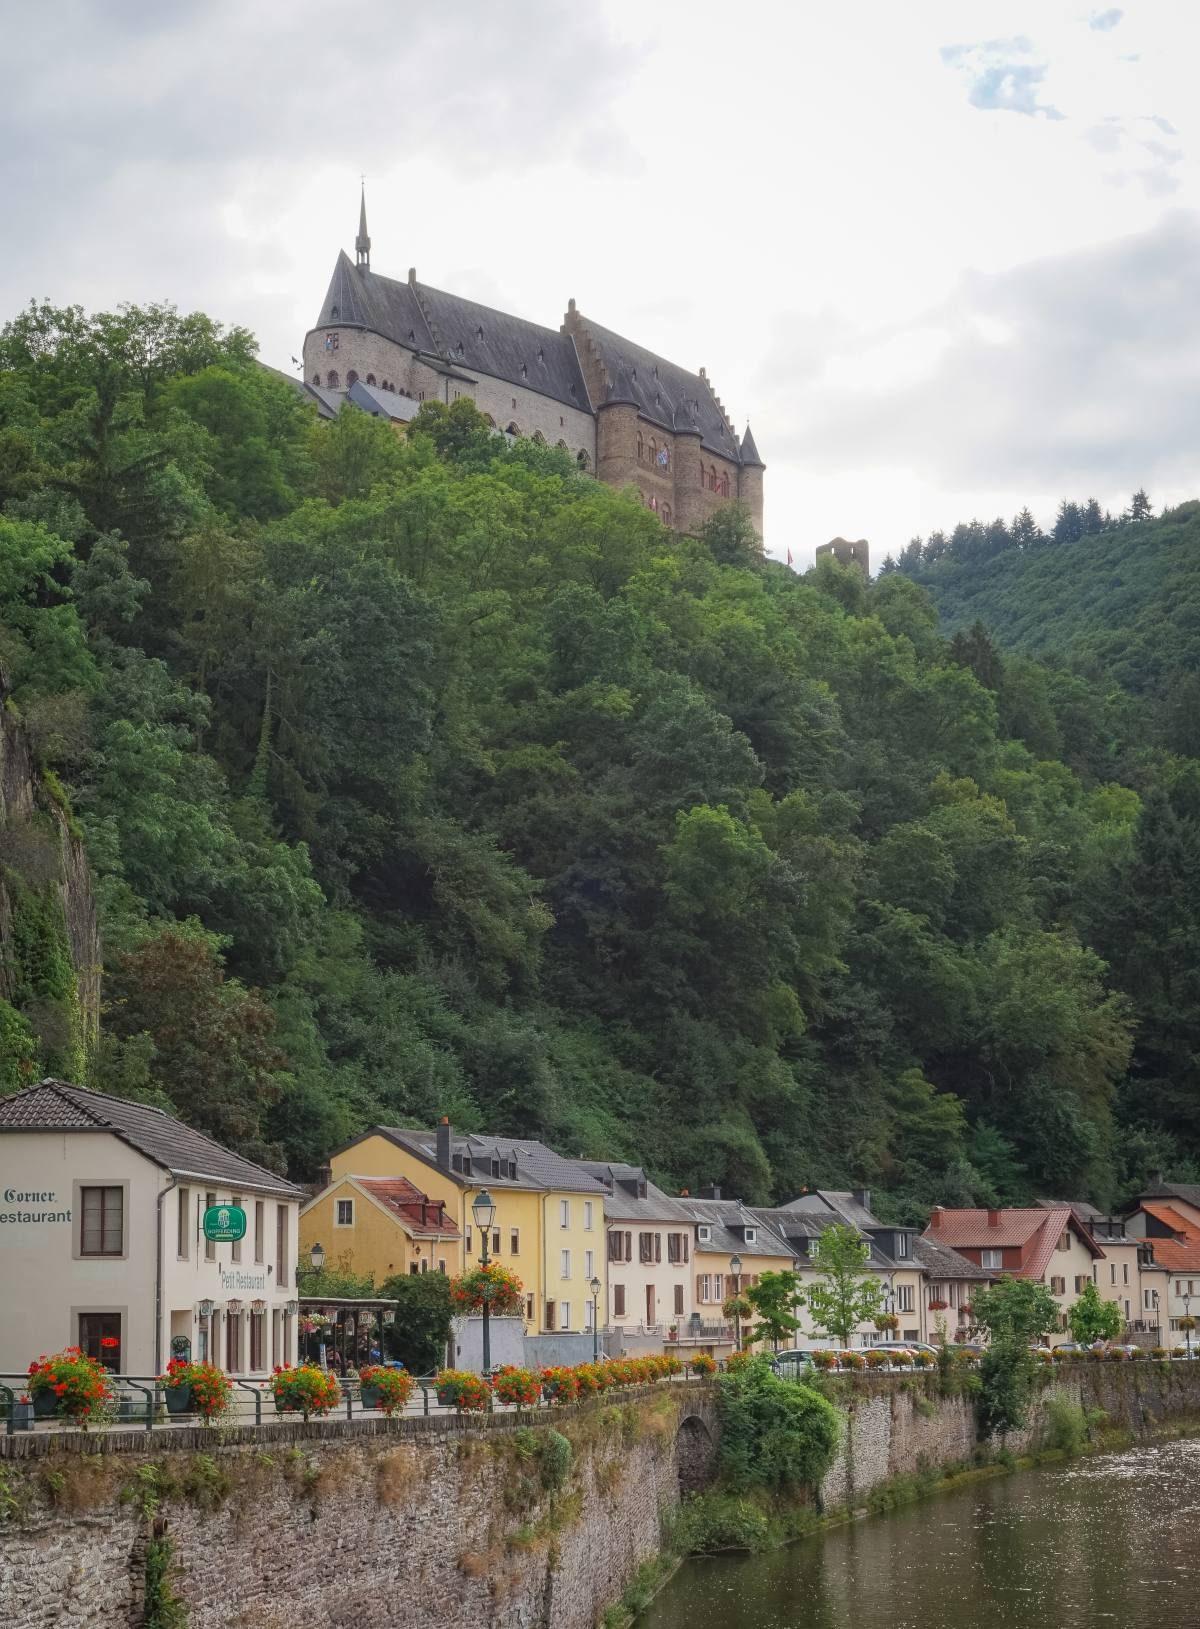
{"x":103,"y":1243}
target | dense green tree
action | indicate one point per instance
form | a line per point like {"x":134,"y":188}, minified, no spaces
{"x":844,"y":1295}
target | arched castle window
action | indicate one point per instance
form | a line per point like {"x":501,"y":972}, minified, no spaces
{"x":582,"y":459}
{"x":562,"y":446}
{"x":331,"y":379}
{"x":489,"y":421}
{"x":351,"y":378}
{"x":370,"y":378}
{"x":725,"y":484}
{"x":664,"y":456}
{"x":712,"y":476}
{"x":653,"y":450}
{"x":316,"y":378}
{"x":652,"y":504}
{"x":641,"y":448}
{"x":513,"y":429}
{"x":539,"y":438}
{"x":666,"y":514}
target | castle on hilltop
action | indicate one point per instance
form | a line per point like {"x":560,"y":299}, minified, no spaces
{"x":632,"y":418}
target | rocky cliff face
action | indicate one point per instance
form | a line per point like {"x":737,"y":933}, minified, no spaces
{"x":49,"y":939}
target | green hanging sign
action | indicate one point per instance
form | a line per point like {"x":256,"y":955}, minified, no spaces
{"x":224,"y":1224}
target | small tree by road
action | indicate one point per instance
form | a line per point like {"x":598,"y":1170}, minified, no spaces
{"x":845,"y":1296}
{"x":1016,"y":1313}
{"x":1093,"y":1319}
{"x":774,"y":1298}
{"x":1016,"y":1310}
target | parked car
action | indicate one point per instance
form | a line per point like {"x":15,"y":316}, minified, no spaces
{"x":791,"y":1363}
{"x":971,"y":1349}
{"x":903,"y":1346}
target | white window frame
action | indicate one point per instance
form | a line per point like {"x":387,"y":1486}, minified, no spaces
{"x":337,"y":1213}
{"x":587,"y":1216}
{"x":589,"y":1265}
{"x":993,"y":1265}
{"x":703,"y":1233}
{"x":564,"y":1264}
{"x":564,"y":1213}
{"x":564,"y":1315}
{"x":751,"y":1235}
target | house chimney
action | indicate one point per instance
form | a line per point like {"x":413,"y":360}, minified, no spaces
{"x":862,"y":1196}
{"x":443,"y":1143}
{"x":993,"y":1218}
{"x":683,"y":1194}
{"x":711,"y":1192}
{"x":935,"y":1217}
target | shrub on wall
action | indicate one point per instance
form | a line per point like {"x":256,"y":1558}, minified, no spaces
{"x":778,"y":1434}
{"x":305,"y":1389}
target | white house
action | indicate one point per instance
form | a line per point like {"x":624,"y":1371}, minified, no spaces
{"x":102,"y":1243}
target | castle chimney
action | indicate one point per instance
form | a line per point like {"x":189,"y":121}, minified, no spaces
{"x":571,"y":303}
{"x":993,"y":1218}
{"x":412,"y":274}
{"x":443,"y":1143}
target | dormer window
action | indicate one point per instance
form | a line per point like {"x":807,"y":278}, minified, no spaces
{"x":813,"y":1246}
{"x":524,"y":370}
{"x":541,"y":354}
{"x":479,"y":333}
{"x":703,"y":1233}
{"x":335,"y":312}
{"x":750,"y":1235}
{"x":901,"y":1245}
{"x":412,"y":338}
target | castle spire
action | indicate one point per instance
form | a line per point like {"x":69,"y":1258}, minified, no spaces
{"x":362,"y":243}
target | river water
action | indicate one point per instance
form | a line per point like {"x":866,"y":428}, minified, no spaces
{"x":1113,"y":1539}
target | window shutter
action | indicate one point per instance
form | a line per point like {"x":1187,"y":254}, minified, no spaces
{"x":699,"y":1287}
{"x":686,"y":1248}
{"x":658,"y":1247}
{"x":629,"y":1247}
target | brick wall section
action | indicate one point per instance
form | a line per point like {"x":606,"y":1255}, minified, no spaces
{"x":408,"y":1524}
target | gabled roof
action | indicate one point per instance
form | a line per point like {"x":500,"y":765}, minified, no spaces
{"x":1034,"y":1229}
{"x":1189,"y":1192}
{"x":538,"y":1167}
{"x":53,"y":1105}
{"x":661,"y":388}
{"x":455,"y":333}
{"x":1181,"y":1252}
{"x":723,"y":1216}
{"x":409,"y":1205}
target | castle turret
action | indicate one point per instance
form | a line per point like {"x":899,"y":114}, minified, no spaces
{"x":616,"y":432}
{"x":846,"y":553}
{"x":690,"y":507}
{"x":750,"y":481}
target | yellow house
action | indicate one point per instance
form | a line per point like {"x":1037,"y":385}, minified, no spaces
{"x":549,"y":1223}
{"x":732,"y":1249}
{"x":383,"y":1226}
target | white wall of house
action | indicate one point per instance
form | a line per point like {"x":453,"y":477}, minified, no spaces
{"x":656,"y":1293}
{"x":1117,"y":1278}
{"x":59,"y":1294}
{"x":1068,"y":1272}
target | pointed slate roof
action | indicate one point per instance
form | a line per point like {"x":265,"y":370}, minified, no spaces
{"x":750,"y":451}
{"x":620,"y":391}
{"x":362,"y":242}
{"x":53,"y":1105}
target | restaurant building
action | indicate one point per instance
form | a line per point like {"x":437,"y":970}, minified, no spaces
{"x":103,"y":1243}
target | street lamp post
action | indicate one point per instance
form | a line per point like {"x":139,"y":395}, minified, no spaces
{"x":1154,"y":1302}
{"x":595,"y":1286}
{"x":483,"y":1209}
{"x":1187,"y":1314}
{"x":735,"y":1269}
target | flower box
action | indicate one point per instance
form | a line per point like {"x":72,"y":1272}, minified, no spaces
{"x":71,"y":1386}
{"x":386,"y":1389}
{"x":178,"y":1399}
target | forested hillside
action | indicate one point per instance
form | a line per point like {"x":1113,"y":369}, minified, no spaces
{"x":430,"y":776}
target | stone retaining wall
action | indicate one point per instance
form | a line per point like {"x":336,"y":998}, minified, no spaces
{"x":430,"y":1524}
{"x":902,"y":1426}
{"x":415,"y":1523}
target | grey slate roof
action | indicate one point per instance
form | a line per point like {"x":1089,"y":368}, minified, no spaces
{"x":537,"y":1165}
{"x":722,"y":1215}
{"x":1189,"y":1192}
{"x":388,"y":404}
{"x":939,"y":1261}
{"x":52,"y":1105}
{"x":620,"y":1204}
{"x":455,"y":333}
{"x":830,"y":1206}
{"x":660,"y":388}
{"x":750,"y":451}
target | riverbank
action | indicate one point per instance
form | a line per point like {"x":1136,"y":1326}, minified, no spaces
{"x":1105,"y":1536}
{"x":907,"y":1439}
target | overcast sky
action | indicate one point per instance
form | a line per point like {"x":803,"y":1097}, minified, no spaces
{"x":943,"y":254}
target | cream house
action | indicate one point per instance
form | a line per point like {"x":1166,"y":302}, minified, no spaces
{"x":648,"y":1248}
{"x":102,"y":1243}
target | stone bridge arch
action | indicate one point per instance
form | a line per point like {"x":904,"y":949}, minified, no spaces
{"x":695,"y":1452}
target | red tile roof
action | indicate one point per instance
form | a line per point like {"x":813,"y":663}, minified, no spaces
{"x":405,"y":1200}
{"x":1034,"y":1231}
{"x":1178,"y":1254}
